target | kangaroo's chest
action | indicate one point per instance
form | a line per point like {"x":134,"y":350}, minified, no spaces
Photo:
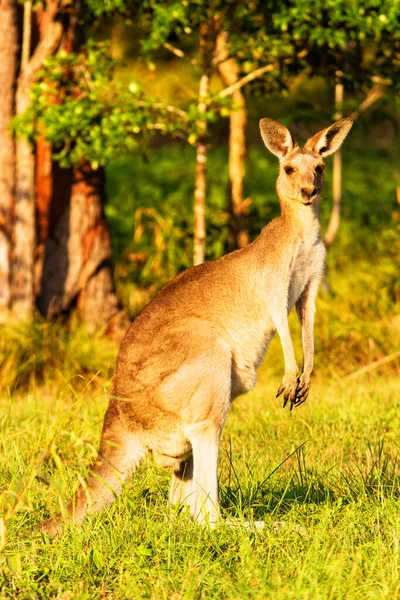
{"x":307,"y":263}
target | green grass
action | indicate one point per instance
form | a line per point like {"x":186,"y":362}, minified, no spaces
{"x":324,"y":478}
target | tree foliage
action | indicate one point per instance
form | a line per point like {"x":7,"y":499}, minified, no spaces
{"x":88,"y":116}
{"x":362,"y":39}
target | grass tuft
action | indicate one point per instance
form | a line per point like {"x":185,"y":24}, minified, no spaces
{"x":41,"y":352}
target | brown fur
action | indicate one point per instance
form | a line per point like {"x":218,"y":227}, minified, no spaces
{"x":198,"y":344}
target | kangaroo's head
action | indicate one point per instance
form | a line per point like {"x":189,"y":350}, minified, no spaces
{"x":301,"y":173}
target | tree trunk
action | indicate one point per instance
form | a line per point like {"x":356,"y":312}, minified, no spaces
{"x":334,"y":220}
{"x":8,"y":59}
{"x":24,"y":227}
{"x":45,"y":15}
{"x":237,"y":145}
{"x":44,"y":194}
{"x":199,"y":233}
{"x":208,"y":33}
{"x":97,"y":301}
{"x":23,"y":258}
{"x":77,"y":262}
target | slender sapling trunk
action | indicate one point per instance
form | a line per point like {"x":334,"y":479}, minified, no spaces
{"x":334,"y":220}
{"x":199,"y":234}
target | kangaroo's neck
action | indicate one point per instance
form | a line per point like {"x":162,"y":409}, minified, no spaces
{"x":301,"y":219}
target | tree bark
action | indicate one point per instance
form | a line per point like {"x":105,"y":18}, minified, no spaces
{"x":77,"y":263}
{"x":199,"y":234}
{"x":24,"y":227}
{"x":44,"y":194}
{"x":44,"y":18}
{"x":8,"y":59}
{"x":208,"y":34}
{"x":97,"y":301}
{"x":334,"y":220}
{"x":237,"y":145}
{"x":23,"y":258}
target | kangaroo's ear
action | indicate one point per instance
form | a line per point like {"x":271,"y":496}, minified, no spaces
{"x":327,"y":141}
{"x":276,"y":137}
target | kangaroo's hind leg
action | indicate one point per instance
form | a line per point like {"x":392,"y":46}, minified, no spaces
{"x":205,"y":383}
{"x":120,"y":453}
{"x":181,"y":491}
{"x":205,"y":438}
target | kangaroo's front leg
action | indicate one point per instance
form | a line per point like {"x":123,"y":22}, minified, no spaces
{"x":305,"y":307}
{"x":289,"y":383}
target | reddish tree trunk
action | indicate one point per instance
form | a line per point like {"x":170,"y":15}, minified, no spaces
{"x":44,"y":188}
{"x":97,"y":301}
{"x":8,"y":57}
{"x":44,"y":193}
{"x":77,"y":262}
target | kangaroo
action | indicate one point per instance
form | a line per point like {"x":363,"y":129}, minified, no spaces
{"x":196,"y":346}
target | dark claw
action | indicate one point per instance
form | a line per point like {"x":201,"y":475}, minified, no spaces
{"x":301,"y":401}
{"x":297,"y":397}
{"x":302,"y":398}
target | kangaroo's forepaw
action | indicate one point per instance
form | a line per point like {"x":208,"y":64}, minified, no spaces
{"x":295,"y":389}
{"x":303,"y":389}
{"x":288,"y":388}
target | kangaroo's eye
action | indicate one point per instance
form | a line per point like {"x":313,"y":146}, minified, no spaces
{"x":319,"y":169}
{"x":288,"y":170}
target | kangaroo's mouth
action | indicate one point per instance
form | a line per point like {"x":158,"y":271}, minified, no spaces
{"x":310,"y":200}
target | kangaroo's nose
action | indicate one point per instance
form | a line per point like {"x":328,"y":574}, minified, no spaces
{"x":308,"y":192}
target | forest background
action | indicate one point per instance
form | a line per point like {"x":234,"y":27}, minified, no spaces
{"x":130,"y":150}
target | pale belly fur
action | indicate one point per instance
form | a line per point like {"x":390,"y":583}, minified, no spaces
{"x":248,"y":356}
